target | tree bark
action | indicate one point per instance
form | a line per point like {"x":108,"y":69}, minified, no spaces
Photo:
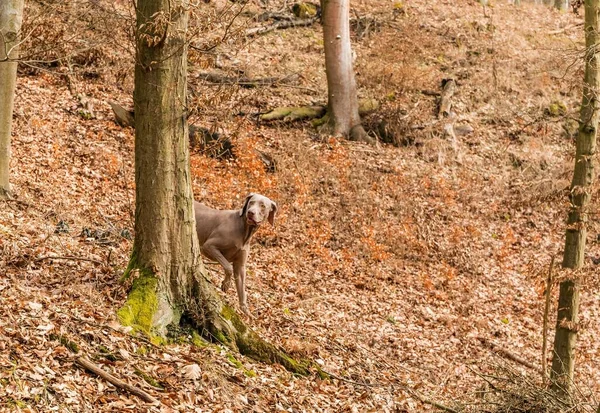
{"x":342,"y":107}
{"x":563,"y":361}
{"x":170,"y":283}
{"x":561,"y":4}
{"x":11,"y":17}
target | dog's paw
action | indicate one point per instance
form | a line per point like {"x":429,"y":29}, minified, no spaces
{"x":226,"y":285}
{"x":245,"y":310}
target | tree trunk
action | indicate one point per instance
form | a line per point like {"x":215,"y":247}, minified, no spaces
{"x":11,"y":16}
{"x":563,"y":361}
{"x":342,"y":107}
{"x":170,"y":283}
{"x":561,"y":4}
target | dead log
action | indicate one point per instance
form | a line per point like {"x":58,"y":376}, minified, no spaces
{"x":294,"y":113}
{"x":283,"y":24}
{"x":448,"y":88}
{"x":214,"y":77}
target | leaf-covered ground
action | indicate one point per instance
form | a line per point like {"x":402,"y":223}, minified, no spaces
{"x":391,"y":267}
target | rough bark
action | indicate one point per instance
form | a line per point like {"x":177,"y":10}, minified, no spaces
{"x":11,"y":17}
{"x":563,"y":362}
{"x":170,"y":283}
{"x":342,"y":107}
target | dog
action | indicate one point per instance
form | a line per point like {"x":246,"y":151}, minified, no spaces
{"x":225,"y":236}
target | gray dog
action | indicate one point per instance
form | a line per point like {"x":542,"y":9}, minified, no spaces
{"x":225,"y":237}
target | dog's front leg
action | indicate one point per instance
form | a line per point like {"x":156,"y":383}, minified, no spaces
{"x":239,"y":271}
{"x":213,"y":253}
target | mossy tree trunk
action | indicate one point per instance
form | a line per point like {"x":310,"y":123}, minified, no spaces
{"x":563,"y":361}
{"x":11,"y":16}
{"x":342,"y":106}
{"x":170,"y":283}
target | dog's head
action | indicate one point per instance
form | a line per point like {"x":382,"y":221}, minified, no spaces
{"x":257,"y":208}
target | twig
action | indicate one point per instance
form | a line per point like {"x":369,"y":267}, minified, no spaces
{"x":88,"y":365}
{"x":335,"y":376}
{"x":52,"y":257}
{"x":425,"y":400}
{"x":507,"y":354}
{"x":284,"y":24}
{"x":545,"y":325}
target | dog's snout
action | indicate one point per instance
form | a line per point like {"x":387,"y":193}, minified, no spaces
{"x":251,"y":214}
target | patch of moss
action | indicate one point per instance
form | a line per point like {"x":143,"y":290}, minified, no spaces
{"x":238,"y":364}
{"x":64,"y":340}
{"x":556,"y":108}
{"x":130,"y":266}
{"x":142,"y":350}
{"x":142,"y":302}
{"x":16,"y":403}
{"x":304,"y":10}
{"x":107,"y":354}
{"x":250,"y":373}
{"x":148,"y":379}
{"x":197,"y":340}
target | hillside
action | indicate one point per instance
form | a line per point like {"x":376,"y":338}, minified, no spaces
{"x":392,"y":266}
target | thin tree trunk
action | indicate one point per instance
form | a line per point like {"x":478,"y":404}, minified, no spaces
{"x":563,"y":361}
{"x":561,"y":4}
{"x":11,"y":17}
{"x":342,"y":108}
{"x":170,"y":283}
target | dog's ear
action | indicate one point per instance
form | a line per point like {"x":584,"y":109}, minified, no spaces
{"x":272,"y":213}
{"x":245,"y":207}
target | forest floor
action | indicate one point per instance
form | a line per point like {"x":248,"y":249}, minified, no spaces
{"x":408,"y":272}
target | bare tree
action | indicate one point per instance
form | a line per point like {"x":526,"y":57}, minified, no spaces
{"x":342,"y":108}
{"x":11,"y":17}
{"x":170,"y":283}
{"x":563,"y":362}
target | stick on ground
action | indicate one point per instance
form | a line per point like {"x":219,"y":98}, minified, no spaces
{"x":88,"y":365}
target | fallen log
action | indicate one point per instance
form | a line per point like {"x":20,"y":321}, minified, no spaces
{"x":294,"y":113}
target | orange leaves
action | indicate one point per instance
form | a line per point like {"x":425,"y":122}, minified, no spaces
{"x":378,"y":252}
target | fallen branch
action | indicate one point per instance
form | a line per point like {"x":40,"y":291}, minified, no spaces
{"x":72,"y":258}
{"x":430,"y":402}
{"x":214,"y":77}
{"x":88,"y":365}
{"x":283,"y":24}
{"x":292,"y":113}
{"x":507,"y":354}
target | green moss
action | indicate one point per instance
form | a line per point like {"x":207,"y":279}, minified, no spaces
{"x":304,"y":10}
{"x":197,"y":340}
{"x":148,"y":379}
{"x":142,"y":350}
{"x":64,"y":340}
{"x":366,"y":106}
{"x":142,"y":302}
{"x":250,"y":373}
{"x":321,"y":121}
{"x":229,"y":314}
{"x":556,"y":108}
{"x":107,"y":354}
{"x":16,"y":403}
{"x":234,"y":361}
{"x":294,"y":113}
{"x":131,"y":266}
